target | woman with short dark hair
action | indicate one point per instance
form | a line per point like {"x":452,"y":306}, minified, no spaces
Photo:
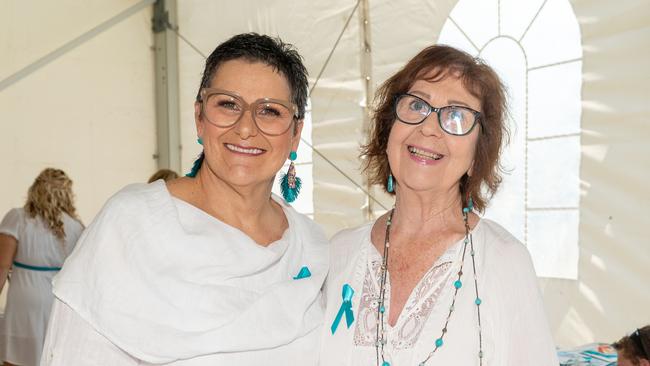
{"x":431,"y":282}
{"x":208,"y":269}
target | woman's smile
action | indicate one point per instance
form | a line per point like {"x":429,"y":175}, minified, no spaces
{"x":424,"y":156}
{"x":244,"y":150}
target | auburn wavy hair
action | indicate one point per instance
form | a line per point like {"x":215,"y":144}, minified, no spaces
{"x":435,"y":63}
{"x":49,"y":197}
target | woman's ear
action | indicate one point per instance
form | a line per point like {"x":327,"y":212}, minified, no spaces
{"x":296,"y":136}
{"x":197,"y":119}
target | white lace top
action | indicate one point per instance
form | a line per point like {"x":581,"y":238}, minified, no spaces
{"x":416,"y":310}
{"x":515,"y":330}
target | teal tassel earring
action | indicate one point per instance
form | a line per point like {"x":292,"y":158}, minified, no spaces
{"x":390,"y":185}
{"x":289,"y":183}
{"x":197,"y":163}
{"x":196,"y":166}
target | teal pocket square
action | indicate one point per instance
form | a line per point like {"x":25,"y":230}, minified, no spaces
{"x":304,"y":273}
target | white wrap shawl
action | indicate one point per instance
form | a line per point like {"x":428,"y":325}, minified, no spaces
{"x":165,"y":288}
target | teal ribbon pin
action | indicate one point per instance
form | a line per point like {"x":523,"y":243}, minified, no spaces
{"x":304,"y":273}
{"x":346,"y":308}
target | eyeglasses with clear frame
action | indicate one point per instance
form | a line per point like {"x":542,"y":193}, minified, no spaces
{"x":224,"y":108}
{"x":453,"y":119}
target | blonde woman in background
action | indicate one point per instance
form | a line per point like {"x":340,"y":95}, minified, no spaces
{"x":34,"y":242}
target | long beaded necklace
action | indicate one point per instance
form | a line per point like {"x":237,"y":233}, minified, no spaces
{"x":381,"y":336}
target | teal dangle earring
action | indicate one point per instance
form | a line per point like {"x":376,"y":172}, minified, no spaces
{"x":198,"y":162}
{"x":390,"y":185}
{"x":289,"y":183}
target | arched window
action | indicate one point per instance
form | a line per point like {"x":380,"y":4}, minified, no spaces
{"x":535,"y":46}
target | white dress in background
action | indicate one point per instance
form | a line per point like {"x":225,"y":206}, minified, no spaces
{"x":514,"y":325}
{"x":29,"y":299}
{"x":155,"y":280}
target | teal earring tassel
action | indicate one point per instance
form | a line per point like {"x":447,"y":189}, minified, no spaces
{"x":196,"y":166}
{"x":197,"y":163}
{"x":289,"y":183}
{"x":470,"y":206}
{"x":390,"y":185}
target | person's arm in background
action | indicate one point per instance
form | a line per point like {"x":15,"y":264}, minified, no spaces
{"x":8,"y":245}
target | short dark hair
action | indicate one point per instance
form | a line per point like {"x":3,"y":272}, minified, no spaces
{"x":481,"y":81}
{"x":253,"y":47}
{"x":636,"y":346}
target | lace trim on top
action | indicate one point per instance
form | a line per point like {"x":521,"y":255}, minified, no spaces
{"x":415,"y":313}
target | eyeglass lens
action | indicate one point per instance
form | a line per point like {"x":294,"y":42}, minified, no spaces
{"x":225,"y":110}
{"x":454,"y":120}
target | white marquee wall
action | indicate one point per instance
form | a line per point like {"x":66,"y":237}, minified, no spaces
{"x":89,"y":112}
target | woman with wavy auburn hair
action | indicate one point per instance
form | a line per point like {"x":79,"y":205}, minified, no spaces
{"x":431,"y":282}
{"x":34,"y":242}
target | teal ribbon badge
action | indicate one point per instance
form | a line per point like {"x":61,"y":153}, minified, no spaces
{"x":346,"y":308}
{"x":304,"y":273}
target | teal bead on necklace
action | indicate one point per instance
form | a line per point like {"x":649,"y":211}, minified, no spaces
{"x":468,"y":244}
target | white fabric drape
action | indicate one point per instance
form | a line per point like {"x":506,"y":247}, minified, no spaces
{"x":165,"y":281}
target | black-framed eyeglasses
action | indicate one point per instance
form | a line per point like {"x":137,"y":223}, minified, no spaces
{"x":224,"y":108}
{"x":453,"y":119}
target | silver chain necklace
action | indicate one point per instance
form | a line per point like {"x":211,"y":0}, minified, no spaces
{"x":381,"y":336}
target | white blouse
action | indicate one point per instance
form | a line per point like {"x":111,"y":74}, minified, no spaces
{"x":514,"y":326}
{"x":155,"y":280}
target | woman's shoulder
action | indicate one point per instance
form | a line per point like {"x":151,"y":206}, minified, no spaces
{"x":499,"y":239}
{"x":134,"y":207}
{"x":345,"y":249}
{"x":305,"y":226}
{"x":352,"y":233}
{"x":505,"y":252}
{"x":12,"y":220}
{"x":72,"y":223}
{"x":347,"y":241}
{"x":15,"y":213}
{"x":137,"y":196}
{"x":140,"y":192}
